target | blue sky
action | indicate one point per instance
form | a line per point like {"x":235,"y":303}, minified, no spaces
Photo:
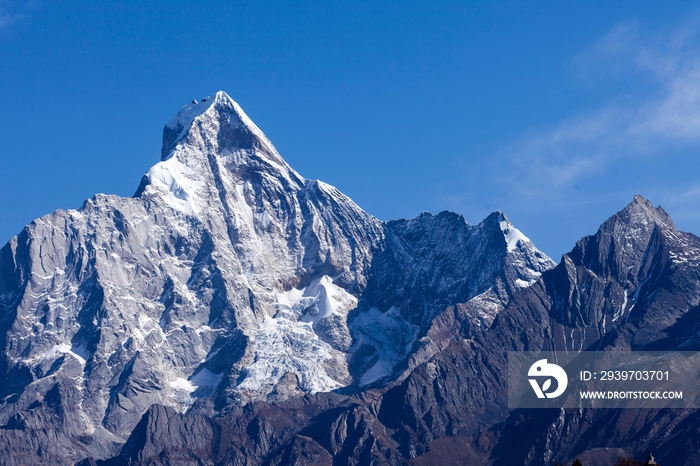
{"x":556,"y":113}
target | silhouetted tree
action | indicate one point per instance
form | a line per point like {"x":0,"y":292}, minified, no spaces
{"x":577,"y":462}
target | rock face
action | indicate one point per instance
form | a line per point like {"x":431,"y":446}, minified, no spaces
{"x":233,"y":312}
{"x":635,"y":285}
{"x":227,"y":281}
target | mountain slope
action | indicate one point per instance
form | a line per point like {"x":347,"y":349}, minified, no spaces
{"x":635,"y":285}
{"x":450,"y":403}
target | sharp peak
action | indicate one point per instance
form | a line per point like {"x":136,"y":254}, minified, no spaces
{"x":641,"y":209}
{"x":219,"y":106}
{"x":629,"y":229}
{"x":205,"y":136}
{"x":497,"y":216}
{"x":187,"y":114}
{"x":497,"y":221}
{"x":640,"y":201}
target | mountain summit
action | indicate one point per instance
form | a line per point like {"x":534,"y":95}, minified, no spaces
{"x":209,"y":148}
{"x":220,"y":116}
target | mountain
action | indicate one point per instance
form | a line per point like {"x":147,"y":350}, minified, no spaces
{"x":234,"y":312}
{"x":635,"y":284}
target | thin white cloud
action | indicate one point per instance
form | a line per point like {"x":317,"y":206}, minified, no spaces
{"x":14,"y":11}
{"x":663,"y":114}
{"x":683,"y":205}
{"x":6,"y":18}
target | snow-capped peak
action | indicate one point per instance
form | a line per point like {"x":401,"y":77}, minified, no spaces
{"x":210,"y":146}
{"x":184,"y":118}
{"x":212,"y":116}
{"x":511,"y":234}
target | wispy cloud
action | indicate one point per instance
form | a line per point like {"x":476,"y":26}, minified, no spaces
{"x":684,"y":204}
{"x":14,"y":11}
{"x":660,"y":112}
{"x":6,"y":18}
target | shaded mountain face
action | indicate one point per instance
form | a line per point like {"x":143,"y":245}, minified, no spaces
{"x":232,"y":301}
{"x":635,"y":285}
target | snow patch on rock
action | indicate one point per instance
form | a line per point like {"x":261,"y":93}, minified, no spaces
{"x":177,"y":185}
{"x":512,"y":235}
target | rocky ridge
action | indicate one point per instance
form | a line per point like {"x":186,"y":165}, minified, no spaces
{"x":450,"y":402}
